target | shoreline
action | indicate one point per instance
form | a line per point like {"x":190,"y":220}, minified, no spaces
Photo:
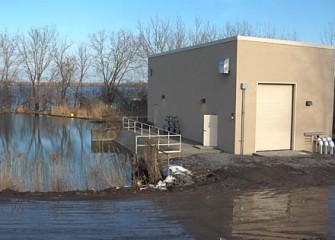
{"x":222,"y":171}
{"x":92,"y":119}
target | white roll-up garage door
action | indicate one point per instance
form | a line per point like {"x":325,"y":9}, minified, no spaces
{"x":274,"y":117}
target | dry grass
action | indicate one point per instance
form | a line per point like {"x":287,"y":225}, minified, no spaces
{"x":20,"y":174}
{"x":58,"y":173}
{"x":150,"y":157}
{"x":81,"y":113}
{"x":11,"y":166}
{"x":61,"y":110}
{"x":94,"y":110}
{"x":6,"y":177}
{"x":22,"y":109}
{"x":109,"y":172}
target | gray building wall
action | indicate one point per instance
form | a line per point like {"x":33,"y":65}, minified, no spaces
{"x":184,"y":78}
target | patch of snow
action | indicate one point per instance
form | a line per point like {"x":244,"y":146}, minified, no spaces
{"x":174,"y":169}
{"x":161,"y":185}
{"x":170,"y":179}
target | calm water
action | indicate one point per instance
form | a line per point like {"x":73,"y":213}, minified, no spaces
{"x":56,"y":154}
{"x":86,"y":220}
{"x":269,"y":214}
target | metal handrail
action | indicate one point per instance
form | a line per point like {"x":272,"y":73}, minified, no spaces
{"x":146,"y":131}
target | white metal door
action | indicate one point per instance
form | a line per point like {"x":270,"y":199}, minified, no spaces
{"x":210,"y":130}
{"x":274,"y":117}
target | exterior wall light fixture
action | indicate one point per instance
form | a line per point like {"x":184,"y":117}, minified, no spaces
{"x":203,"y":100}
{"x":163,"y":97}
{"x":309,"y":103}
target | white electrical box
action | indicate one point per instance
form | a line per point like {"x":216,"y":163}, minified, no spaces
{"x":224,"y":66}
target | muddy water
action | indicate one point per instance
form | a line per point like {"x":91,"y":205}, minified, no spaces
{"x":268,"y":214}
{"x":210,"y":214}
{"x":56,"y":154}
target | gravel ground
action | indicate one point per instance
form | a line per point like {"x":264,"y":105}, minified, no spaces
{"x":235,"y":171}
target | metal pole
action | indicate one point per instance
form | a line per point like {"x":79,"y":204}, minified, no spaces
{"x":136,"y":145}
{"x":243,"y":88}
{"x":158,"y":140}
{"x":168,"y":158}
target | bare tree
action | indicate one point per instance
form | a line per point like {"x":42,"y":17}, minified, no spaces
{"x":9,"y":65}
{"x":8,"y":58}
{"x":328,"y":35}
{"x":36,"y":53}
{"x":83,"y":63}
{"x":161,"y":35}
{"x":179,"y":34}
{"x":114,"y":57}
{"x":203,"y":32}
{"x":65,"y":69}
{"x":237,"y":28}
{"x":155,"y":37}
{"x":268,"y":30}
{"x":244,"y":28}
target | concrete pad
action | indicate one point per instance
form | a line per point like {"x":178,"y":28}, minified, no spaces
{"x":201,"y":147}
{"x":282,"y":153}
{"x":127,"y":140}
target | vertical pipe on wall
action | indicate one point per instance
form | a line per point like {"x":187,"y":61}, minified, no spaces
{"x":244,"y":86}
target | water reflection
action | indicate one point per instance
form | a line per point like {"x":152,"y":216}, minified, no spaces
{"x":55,"y":154}
{"x":272,"y":214}
{"x":211,"y":214}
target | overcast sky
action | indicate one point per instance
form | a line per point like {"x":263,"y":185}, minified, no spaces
{"x":78,"y":18}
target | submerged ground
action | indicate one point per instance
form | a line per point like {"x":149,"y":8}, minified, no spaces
{"x":233,"y":197}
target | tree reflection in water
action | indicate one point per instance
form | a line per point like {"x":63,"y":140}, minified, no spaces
{"x":56,"y":154}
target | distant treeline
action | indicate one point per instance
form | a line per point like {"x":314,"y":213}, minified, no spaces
{"x":41,"y":57}
{"x":75,"y":84}
{"x":129,"y":98}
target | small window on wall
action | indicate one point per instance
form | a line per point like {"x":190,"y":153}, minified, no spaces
{"x":150,"y":72}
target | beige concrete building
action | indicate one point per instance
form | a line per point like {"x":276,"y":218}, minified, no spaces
{"x":289,"y":91}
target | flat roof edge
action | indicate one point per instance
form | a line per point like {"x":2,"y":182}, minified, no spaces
{"x":285,"y":42}
{"x":224,"y":40}
{"x":245,"y":38}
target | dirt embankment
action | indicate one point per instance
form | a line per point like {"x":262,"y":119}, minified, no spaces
{"x":241,"y":172}
{"x":226,"y":171}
